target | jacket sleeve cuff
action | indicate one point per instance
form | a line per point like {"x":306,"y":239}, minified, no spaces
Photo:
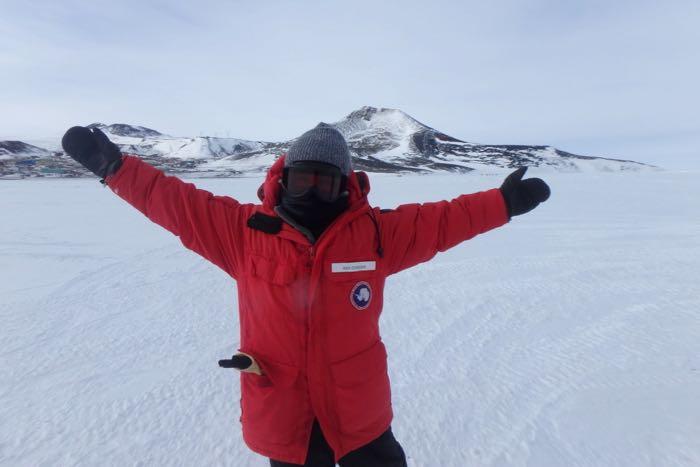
{"x":496,"y":213}
{"x":128,"y":165}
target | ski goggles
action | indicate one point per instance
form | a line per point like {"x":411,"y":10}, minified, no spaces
{"x":325,"y":179}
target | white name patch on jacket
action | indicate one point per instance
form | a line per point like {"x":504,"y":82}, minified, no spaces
{"x":353,"y":267}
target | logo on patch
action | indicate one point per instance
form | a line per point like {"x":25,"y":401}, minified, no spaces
{"x":361,"y":295}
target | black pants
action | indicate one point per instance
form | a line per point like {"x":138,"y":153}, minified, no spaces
{"x":384,"y":451}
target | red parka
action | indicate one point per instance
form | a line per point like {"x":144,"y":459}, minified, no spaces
{"x":308,"y":312}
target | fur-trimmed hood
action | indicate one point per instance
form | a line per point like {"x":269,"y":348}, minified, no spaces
{"x":269,"y":192}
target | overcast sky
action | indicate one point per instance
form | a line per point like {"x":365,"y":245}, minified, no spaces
{"x":611,"y":78}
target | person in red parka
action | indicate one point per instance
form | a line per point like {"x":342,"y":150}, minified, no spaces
{"x":310,"y":262}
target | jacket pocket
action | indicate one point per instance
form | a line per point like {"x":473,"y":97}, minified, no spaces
{"x":272,"y":271}
{"x":362,"y":389}
{"x":272,"y":403}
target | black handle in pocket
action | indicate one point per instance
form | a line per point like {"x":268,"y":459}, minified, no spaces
{"x":238,"y":361}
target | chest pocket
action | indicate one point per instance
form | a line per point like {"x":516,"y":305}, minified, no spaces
{"x":275,"y":272}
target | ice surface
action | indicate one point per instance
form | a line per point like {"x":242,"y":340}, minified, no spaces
{"x":569,"y":337}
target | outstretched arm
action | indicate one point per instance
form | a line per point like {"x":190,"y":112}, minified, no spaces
{"x":414,"y":233}
{"x":207,"y":224}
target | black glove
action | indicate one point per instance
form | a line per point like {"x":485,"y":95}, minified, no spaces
{"x":523,"y":196}
{"x":93,"y":150}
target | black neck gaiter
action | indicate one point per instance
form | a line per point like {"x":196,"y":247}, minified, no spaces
{"x":311,"y":212}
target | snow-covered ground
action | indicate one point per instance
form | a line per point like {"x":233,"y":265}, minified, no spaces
{"x":569,"y":337}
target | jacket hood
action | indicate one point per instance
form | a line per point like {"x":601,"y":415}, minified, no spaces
{"x":269,"y":192}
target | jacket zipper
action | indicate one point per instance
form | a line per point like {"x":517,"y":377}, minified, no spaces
{"x":310,"y":266}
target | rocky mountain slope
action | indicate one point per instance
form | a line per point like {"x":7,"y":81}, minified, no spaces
{"x":381,"y":140}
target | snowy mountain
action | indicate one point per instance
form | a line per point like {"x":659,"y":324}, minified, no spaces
{"x":391,"y":140}
{"x":381,"y":140}
{"x":20,"y":150}
{"x":121,"y":129}
{"x":19,"y":159}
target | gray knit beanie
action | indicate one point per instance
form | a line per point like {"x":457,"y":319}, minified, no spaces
{"x":321,"y":144}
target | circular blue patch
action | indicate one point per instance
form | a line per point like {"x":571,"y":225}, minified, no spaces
{"x":361,"y":295}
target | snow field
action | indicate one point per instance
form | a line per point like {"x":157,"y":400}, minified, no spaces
{"x":570,"y":336}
